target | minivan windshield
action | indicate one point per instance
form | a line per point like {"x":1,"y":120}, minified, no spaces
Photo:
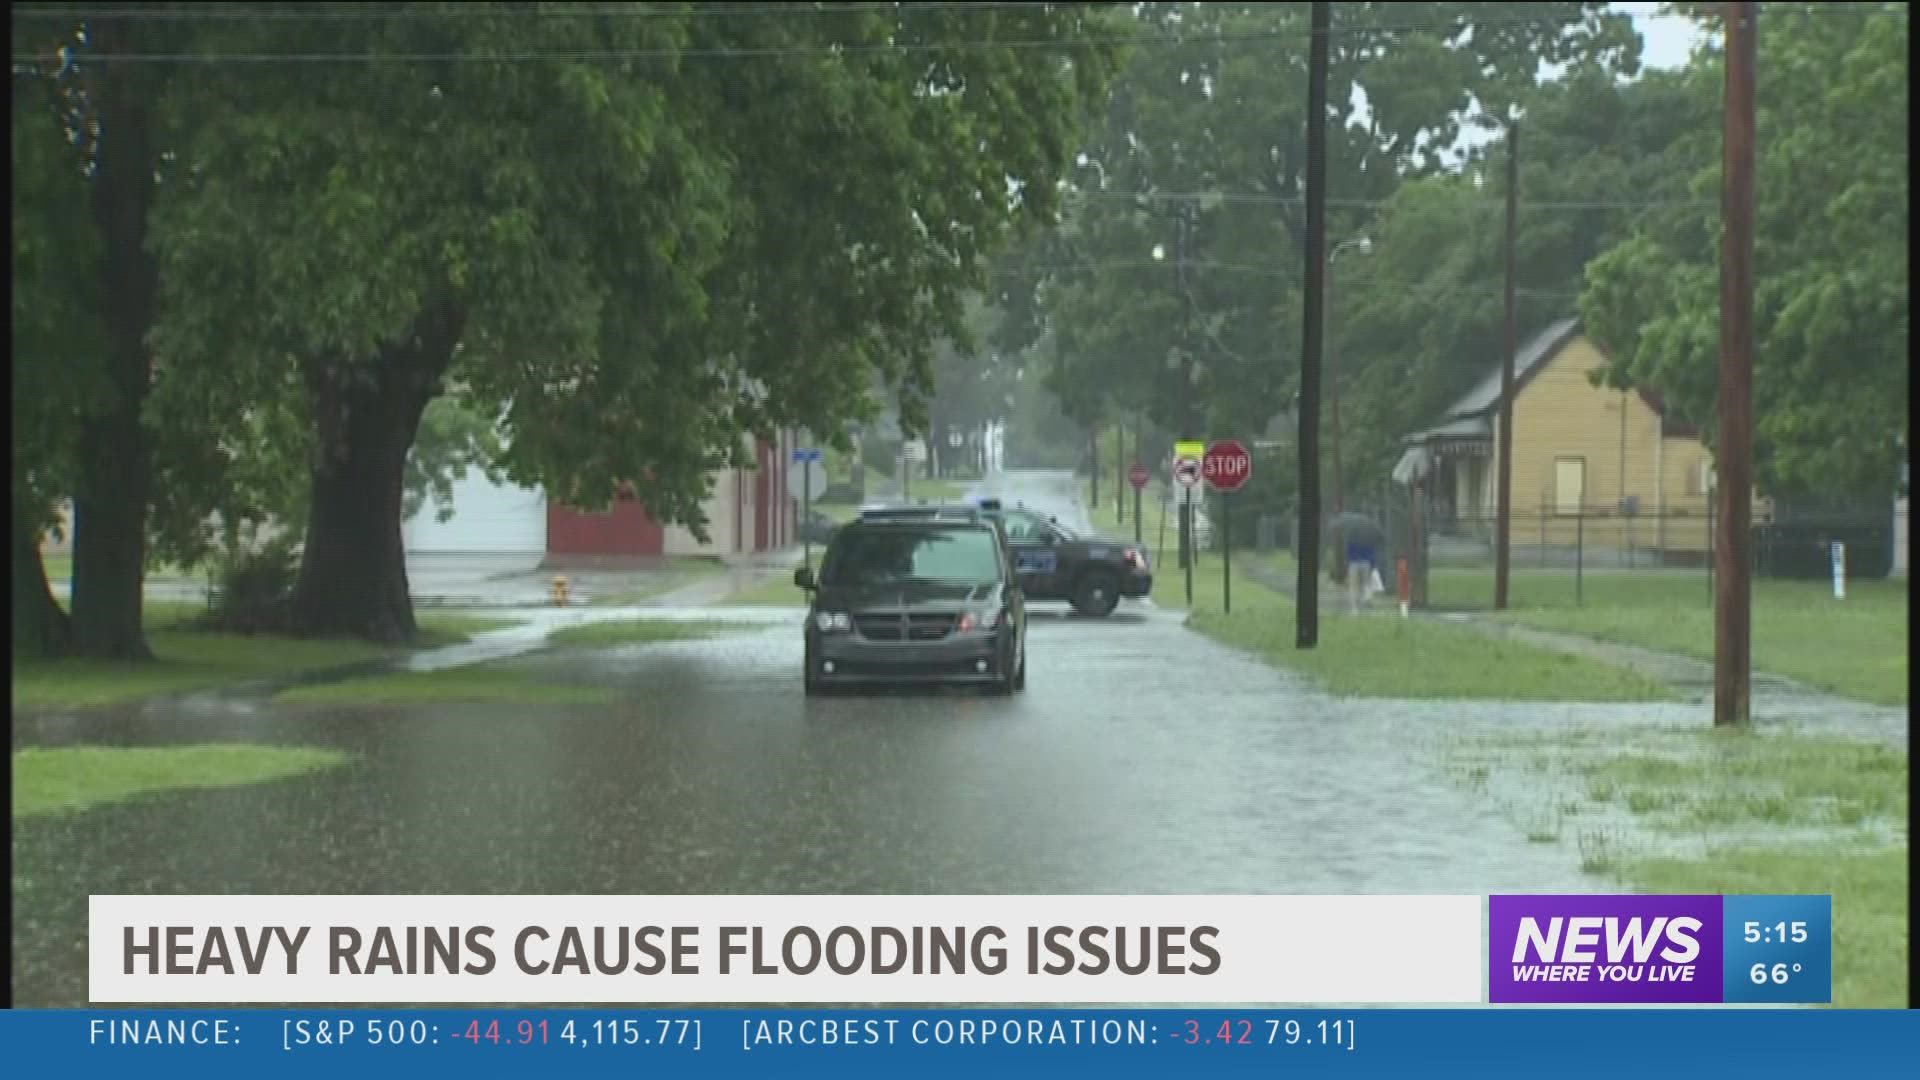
{"x":899,"y":554}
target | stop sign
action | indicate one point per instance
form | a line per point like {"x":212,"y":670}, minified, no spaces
{"x":1137,"y":475}
{"x":1227,"y":466}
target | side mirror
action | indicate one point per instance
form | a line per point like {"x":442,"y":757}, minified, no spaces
{"x":803,"y":578}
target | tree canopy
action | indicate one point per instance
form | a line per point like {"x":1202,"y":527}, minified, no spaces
{"x":636,"y":236}
{"x":1831,"y":279}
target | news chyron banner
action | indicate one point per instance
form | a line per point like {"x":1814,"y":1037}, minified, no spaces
{"x":1206,"y":950}
{"x":936,"y":986}
{"x":1375,"y":950}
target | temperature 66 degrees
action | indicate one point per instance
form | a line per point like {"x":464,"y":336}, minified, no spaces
{"x":1278,"y":1033}
{"x":1778,"y":974}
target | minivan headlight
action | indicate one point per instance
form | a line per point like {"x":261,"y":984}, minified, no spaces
{"x":979,"y":620}
{"x":832,"y":622}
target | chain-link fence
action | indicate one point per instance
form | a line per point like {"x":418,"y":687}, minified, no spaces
{"x":1561,"y":555}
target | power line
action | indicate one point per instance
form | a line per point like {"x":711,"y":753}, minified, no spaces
{"x":1097,"y":266}
{"x":368,"y":13}
{"x":1297,"y":200}
{"x":1451,"y":27}
{"x":760,"y":52}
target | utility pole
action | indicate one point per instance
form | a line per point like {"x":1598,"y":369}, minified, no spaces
{"x":1093,"y":448}
{"x":1504,"y":526}
{"x":1732,"y":621}
{"x":1307,"y":589}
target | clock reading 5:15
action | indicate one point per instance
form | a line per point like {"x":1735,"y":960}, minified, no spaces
{"x":1781,"y":932}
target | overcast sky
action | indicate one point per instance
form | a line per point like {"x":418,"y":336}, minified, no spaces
{"x":1668,"y":38}
{"x":1666,"y":42}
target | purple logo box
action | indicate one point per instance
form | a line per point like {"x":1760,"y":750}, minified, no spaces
{"x":1606,"y":950}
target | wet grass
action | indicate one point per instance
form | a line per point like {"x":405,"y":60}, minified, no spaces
{"x":1856,"y":647}
{"x":1736,"y":780}
{"x":777,"y":591}
{"x":1699,"y":811}
{"x":1392,"y":657}
{"x":60,"y":568}
{"x":638,"y":632}
{"x":1106,"y":520}
{"x":1870,"y":901}
{"x":438,"y":630}
{"x":63,"y":779}
{"x":680,"y":571}
{"x":187,"y":659}
{"x":479,"y":684}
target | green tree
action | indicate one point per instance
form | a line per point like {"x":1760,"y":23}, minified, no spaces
{"x":637,"y":238}
{"x":1182,"y":298}
{"x":104,"y":147}
{"x":1421,"y":318}
{"x":1831,"y":288}
{"x":57,"y":343}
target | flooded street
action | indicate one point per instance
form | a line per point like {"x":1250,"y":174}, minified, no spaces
{"x":1143,"y":758}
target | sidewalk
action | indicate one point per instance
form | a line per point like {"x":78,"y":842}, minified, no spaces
{"x":521,"y":581}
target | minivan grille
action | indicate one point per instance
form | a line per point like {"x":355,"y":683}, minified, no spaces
{"x":915,"y":627}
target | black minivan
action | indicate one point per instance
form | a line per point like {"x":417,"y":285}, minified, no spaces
{"x":915,"y":598}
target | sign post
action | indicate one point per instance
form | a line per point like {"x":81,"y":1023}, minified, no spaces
{"x":1137,"y":476}
{"x":1228,"y":466}
{"x":1186,"y":478}
{"x":1186,"y":474}
{"x":807,"y":459}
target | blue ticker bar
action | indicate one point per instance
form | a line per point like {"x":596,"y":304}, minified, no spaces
{"x":477,"y":1043}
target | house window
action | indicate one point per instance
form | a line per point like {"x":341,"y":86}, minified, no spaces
{"x":1569,"y":485}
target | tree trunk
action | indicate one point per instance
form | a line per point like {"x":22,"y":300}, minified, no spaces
{"x":353,"y":571}
{"x":40,"y":628}
{"x":111,"y":488}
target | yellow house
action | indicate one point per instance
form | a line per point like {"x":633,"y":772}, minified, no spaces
{"x":1608,"y":471}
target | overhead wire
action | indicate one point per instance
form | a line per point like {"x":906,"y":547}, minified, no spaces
{"x":1143,"y":40}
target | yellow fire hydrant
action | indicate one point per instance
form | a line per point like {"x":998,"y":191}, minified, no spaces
{"x":560,"y":590}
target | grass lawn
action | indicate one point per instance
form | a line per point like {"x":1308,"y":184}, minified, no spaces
{"x":840,"y":512}
{"x":1391,"y":657}
{"x":776,"y":591}
{"x":638,"y":632}
{"x":1856,"y":647}
{"x":437,"y":629}
{"x":51,"y":779}
{"x":1753,"y":813}
{"x":1869,"y":908}
{"x":60,"y":568}
{"x":1105,"y":518}
{"x":934,"y":491}
{"x":481,"y":684}
{"x":191,"y":659}
{"x":681,"y":571}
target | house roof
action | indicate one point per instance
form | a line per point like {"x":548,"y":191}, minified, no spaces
{"x":1468,"y":416}
{"x":1465,"y":427}
{"x":1485,"y":394}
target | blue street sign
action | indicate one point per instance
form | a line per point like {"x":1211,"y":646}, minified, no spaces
{"x":806,"y":453}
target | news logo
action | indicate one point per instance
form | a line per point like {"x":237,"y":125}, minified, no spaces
{"x":1606,"y":950}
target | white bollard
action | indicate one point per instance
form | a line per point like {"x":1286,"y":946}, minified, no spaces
{"x":1839,"y":571}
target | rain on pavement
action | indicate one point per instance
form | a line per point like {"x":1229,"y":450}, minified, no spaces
{"x":1143,"y":758}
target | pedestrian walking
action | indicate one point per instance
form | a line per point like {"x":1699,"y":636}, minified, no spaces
{"x":1359,"y":540}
